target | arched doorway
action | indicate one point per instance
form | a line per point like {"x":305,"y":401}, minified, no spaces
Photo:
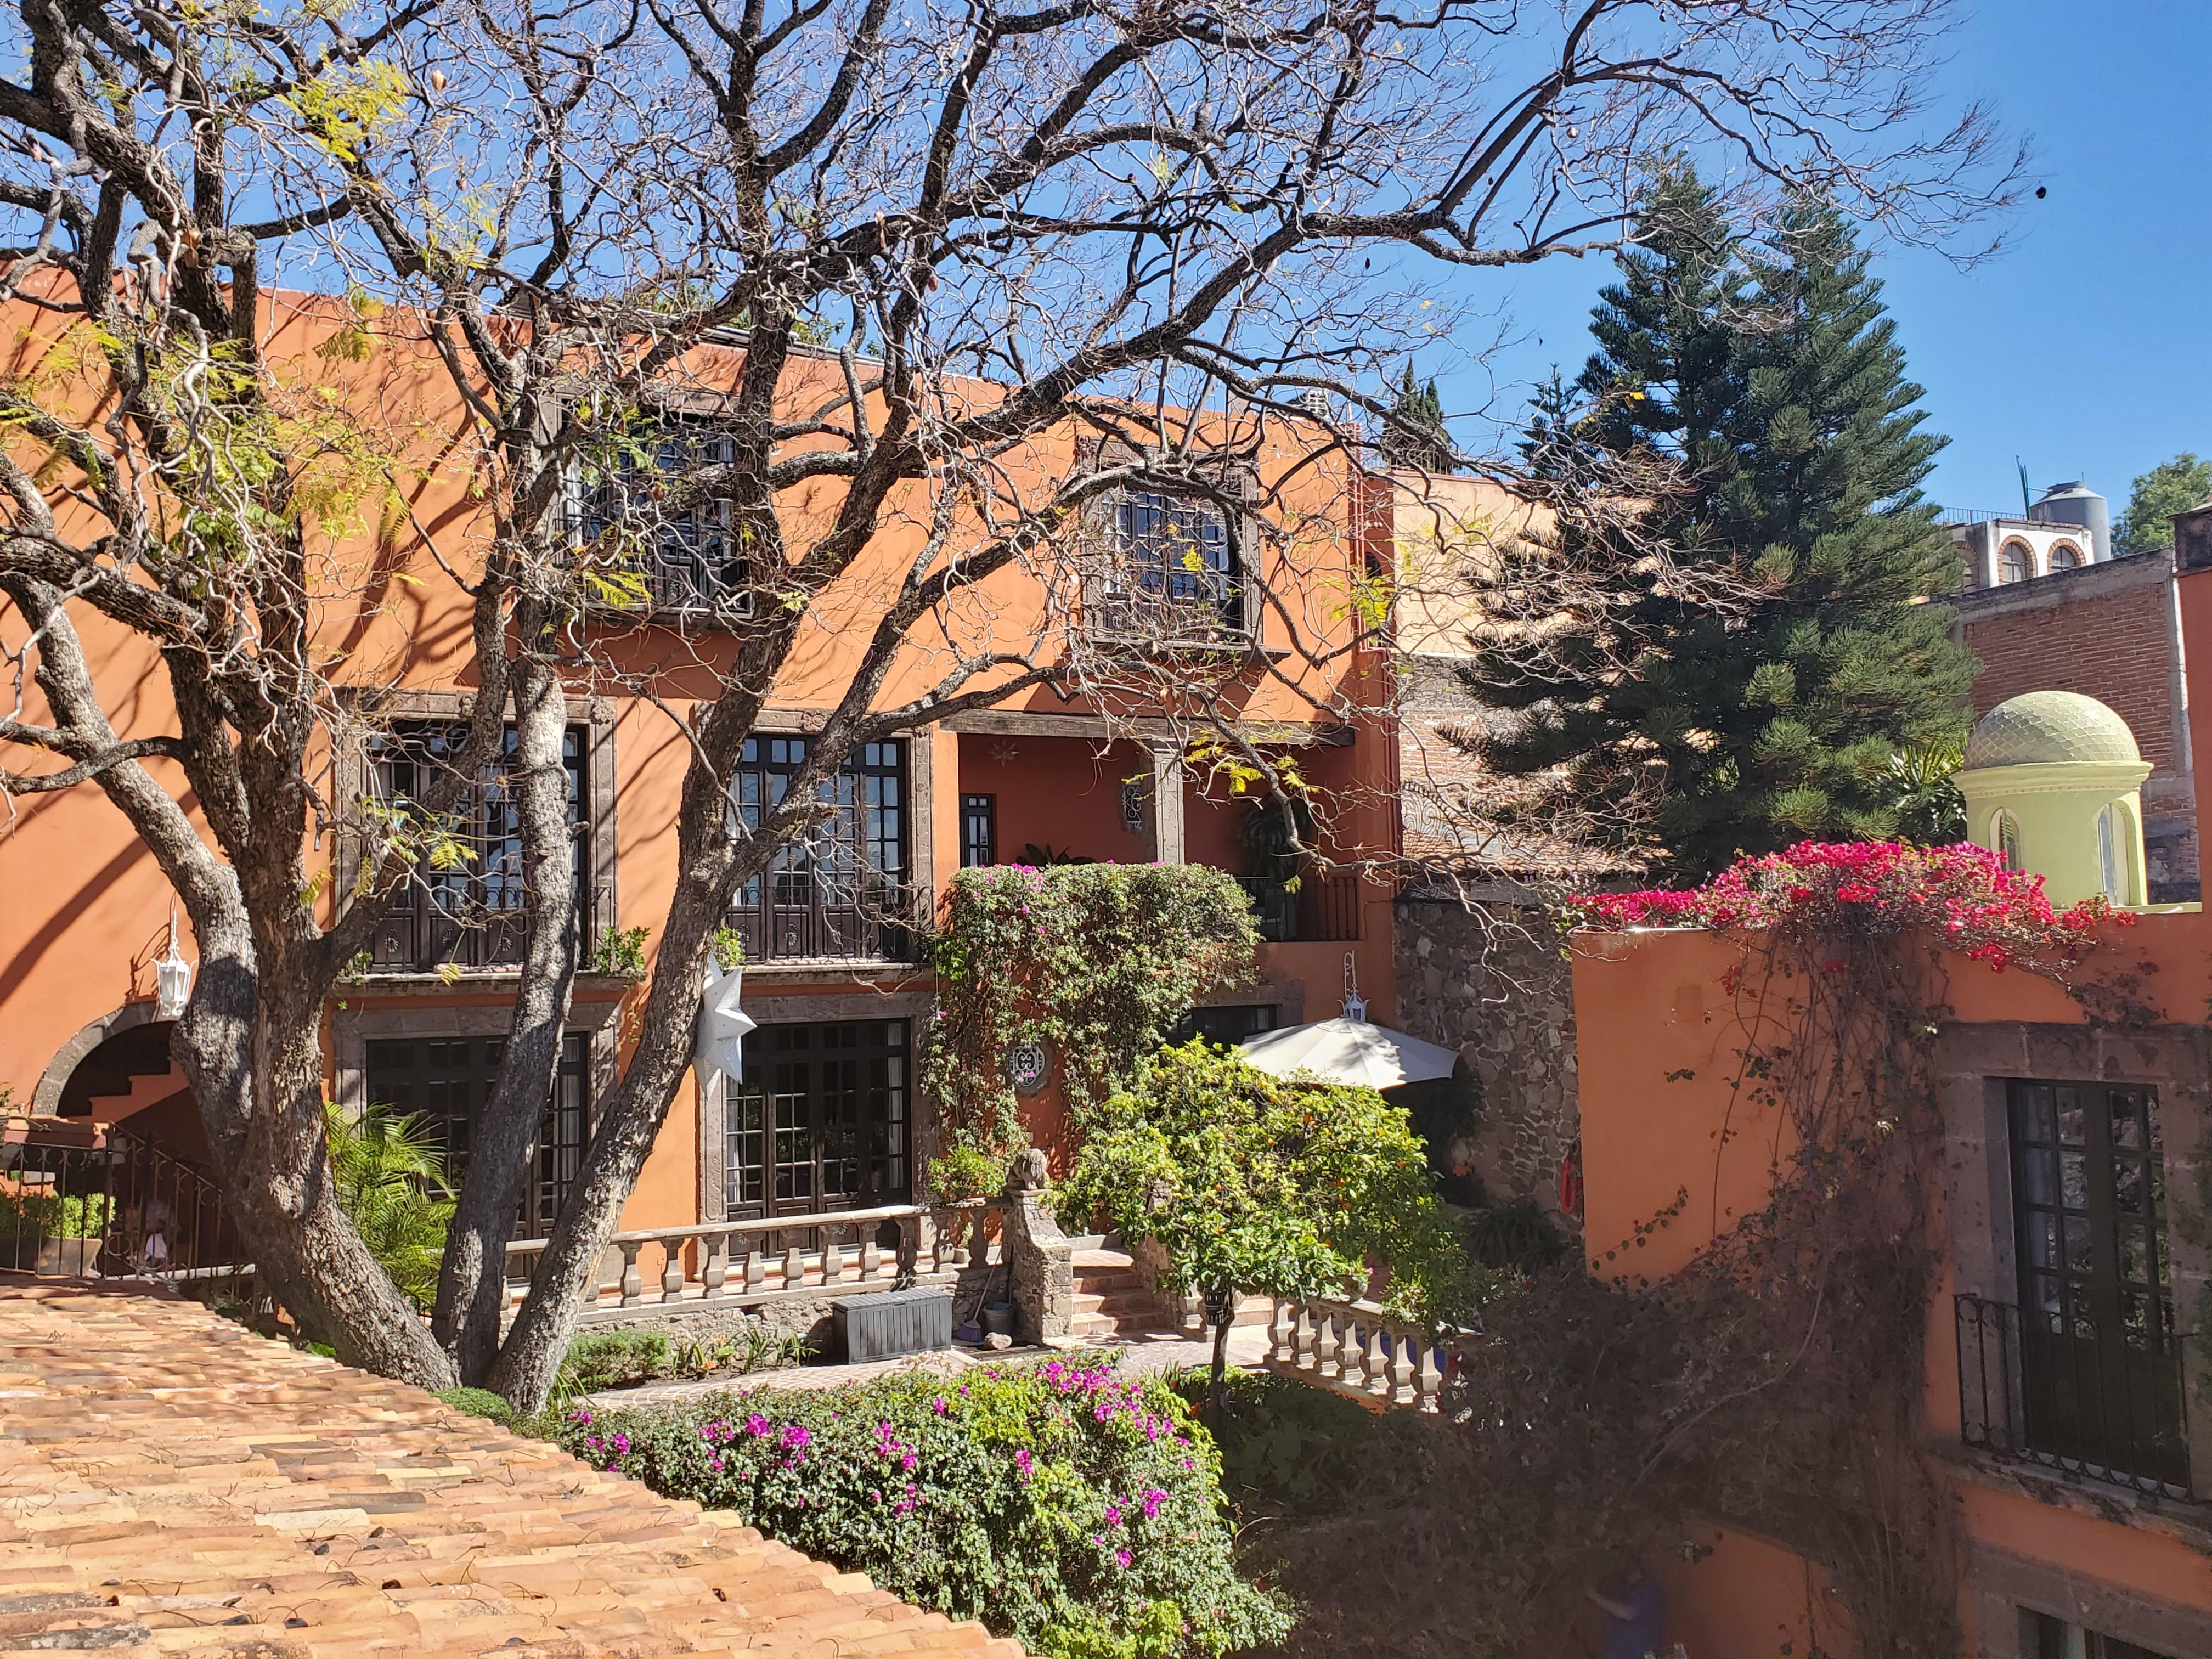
{"x":117,"y":1071}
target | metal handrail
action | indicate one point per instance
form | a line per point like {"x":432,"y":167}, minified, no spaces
{"x":2113,"y":1414}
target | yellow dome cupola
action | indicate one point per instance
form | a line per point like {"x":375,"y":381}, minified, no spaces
{"x":2053,"y":781}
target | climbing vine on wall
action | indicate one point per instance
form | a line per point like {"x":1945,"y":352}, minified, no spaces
{"x":1775,"y":1383}
{"x":1096,"y":961}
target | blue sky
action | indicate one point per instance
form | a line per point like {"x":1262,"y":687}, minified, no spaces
{"x":2084,"y":347}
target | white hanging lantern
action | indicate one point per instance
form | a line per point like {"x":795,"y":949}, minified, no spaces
{"x":172,"y":977}
{"x":720,"y":1048}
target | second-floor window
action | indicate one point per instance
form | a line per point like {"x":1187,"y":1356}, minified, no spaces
{"x":1174,"y":555}
{"x":658,"y":547}
{"x":838,"y":891}
{"x":469,"y":907}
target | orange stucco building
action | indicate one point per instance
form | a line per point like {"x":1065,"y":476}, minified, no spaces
{"x":2083,"y":1516}
{"x":824,"y":1117}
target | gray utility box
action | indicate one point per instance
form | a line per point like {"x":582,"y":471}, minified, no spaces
{"x":892,"y":1322}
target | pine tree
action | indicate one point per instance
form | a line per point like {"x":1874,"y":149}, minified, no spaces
{"x":1775,"y":383}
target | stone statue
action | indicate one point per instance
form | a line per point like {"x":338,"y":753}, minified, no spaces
{"x":1028,"y":1173}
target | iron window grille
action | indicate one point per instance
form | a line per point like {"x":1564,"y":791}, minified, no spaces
{"x":447,"y":1081}
{"x":681,"y":558}
{"x":473,"y":913}
{"x":1175,"y":571}
{"x":820,"y":1120}
{"x":839,"y":893}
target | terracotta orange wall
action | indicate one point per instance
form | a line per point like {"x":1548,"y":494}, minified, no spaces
{"x":1750,"y":1598}
{"x":1064,"y":792}
{"x":1658,"y":1035}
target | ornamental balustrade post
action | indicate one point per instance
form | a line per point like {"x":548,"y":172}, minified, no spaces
{"x":671,"y":1269}
{"x":633,"y":1285}
{"x":794,"y":1266}
{"x":833,"y":1254}
{"x":716,"y":1271}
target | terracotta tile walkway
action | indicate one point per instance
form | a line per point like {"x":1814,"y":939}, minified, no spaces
{"x":171,"y":1483}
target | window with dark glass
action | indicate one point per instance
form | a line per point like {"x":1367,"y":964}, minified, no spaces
{"x":2099,"y":1362}
{"x":838,"y":891}
{"x":819,"y":1120}
{"x":1177,"y":551}
{"x":2046,"y":1637}
{"x":1224,"y":1026}
{"x":979,"y":831}
{"x":447,"y":1080}
{"x":656,"y":547}
{"x":2015,"y":563}
{"x":469,"y":906}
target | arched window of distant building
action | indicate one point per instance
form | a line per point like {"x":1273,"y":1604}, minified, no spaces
{"x":2015,"y":563}
{"x":2005,"y":833}
{"x":2064,"y":556}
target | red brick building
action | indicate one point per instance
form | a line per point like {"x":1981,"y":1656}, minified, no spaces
{"x":2108,"y":630}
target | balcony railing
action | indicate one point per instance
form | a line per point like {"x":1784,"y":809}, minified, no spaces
{"x":795,"y":921}
{"x":743,"y":1264}
{"x":1355,"y":1348}
{"x":1321,"y":909}
{"x":79,"y":1199}
{"x":2109,"y":1410}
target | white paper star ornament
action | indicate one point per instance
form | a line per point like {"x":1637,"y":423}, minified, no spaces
{"x":722,"y":1026}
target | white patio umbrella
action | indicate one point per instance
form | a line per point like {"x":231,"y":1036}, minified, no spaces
{"x":1349,"y":1051}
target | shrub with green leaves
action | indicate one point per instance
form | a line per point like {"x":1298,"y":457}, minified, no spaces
{"x":1064,"y":1504}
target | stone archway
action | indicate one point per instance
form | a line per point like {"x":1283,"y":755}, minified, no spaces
{"x":46,"y":1099}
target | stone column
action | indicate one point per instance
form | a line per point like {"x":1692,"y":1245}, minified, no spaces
{"x":1039,"y":1260}
{"x":1167,"y":804}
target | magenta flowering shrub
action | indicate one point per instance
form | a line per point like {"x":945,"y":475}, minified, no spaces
{"x":1962,"y":897}
{"x":1064,"y":1504}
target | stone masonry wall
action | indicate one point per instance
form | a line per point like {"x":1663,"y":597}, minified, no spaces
{"x":1503,"y":997}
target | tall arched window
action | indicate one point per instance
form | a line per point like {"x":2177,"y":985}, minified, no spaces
{"x":2015,"y":563}
{"x":2004,"y":836}
{"x":2108,"y":855}
{"x":2064,"y":556}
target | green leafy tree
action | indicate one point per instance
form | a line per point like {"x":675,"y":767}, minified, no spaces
{"x":1774,"y":384}
{"x":1251,"y":1183}
{"x":2169,"y":488}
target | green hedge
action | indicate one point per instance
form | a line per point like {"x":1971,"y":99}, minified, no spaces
{"x":1074,"y":1509}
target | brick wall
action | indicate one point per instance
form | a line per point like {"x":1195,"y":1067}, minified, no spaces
{"x":2108,"y":632}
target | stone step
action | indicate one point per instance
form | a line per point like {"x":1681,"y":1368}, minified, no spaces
{"x":1136,"y":1300}
{"x":1104,"y":1259}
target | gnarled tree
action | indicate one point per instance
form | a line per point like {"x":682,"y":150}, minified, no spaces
{"x":940,"y":278}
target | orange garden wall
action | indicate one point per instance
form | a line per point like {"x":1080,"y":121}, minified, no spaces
{"x":1660,"y":1038}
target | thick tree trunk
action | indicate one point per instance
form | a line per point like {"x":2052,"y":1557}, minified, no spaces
{"x":628,"y":1122}
{"x":256,"y":1069}
{"x":503,"y":1139}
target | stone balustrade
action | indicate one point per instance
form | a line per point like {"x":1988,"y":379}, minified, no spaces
{"x":730,"y":1265}
{"x":1356,"y":1349}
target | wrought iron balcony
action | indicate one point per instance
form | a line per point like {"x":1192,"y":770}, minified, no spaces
{"x":1320,"y":910}
{"x":2109,"y":1408}
{"x":796,"y":916}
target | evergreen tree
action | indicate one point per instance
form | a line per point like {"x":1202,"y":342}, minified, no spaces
{"x":1415,"y":436}
{"x":1776,"y":385}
